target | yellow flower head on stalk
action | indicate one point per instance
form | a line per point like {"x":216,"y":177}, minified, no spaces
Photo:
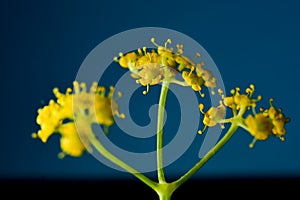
{"x":214,"y":116}
{"x":263,"y":124}
{"x":163,"y":63}
{"x":74,"y":113}
{"x":266,"y":123}
{"x":237,"y":100}
{"x":260,"y":125}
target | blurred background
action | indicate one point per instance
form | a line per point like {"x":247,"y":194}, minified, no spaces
{"x":45,"y":42}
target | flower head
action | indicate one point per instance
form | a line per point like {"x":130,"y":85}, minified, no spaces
{"x":163,"y":63}
{"x":74,"y":113}
{"x":150,"y":74}
{"x":193,"y":79}
{"x":266,"y":123}
{"x":259,"y":126}
{"x":214,"y":116}
{"x":238,"y":100}
{"x":278,"y":120}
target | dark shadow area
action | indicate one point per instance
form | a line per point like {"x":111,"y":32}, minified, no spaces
{"x":239,"y":188}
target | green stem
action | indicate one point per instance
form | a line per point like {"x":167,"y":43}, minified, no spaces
{"x":165,"y":190}
{"x":160,"y":121}
{"x":95,"y":142}
{"x":208,"y":155}
{"x":163,"y":196}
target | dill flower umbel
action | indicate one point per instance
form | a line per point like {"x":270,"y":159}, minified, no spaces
{"x":72,"y":113}
{"x":75,"y":112}
{"x":261,"y":125}
{"x":163,"y":63}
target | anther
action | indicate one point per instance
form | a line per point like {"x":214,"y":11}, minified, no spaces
{"x":201,"y":107}
{"x":120,"y":94}
{"x":147,"y":90}
{"x":192,"y":69}
{"x":69,"y":90}
{"x":122,"y":115}
{"x":76,"y":87}
{"x":251,"y":145}
{"x":202,"y":131}
{"x":221,"y":93}
{"x":34,"y":135}
{"x":259,"y":98}
{"x":145,"y":50}
{"x":140,"y":51}
{"x":167,"y":42}
{"x":249,"y":90}
{"x":61,"y":155}
{"x":116,"y":59}
{"x":93,"y":87}
{"x":179,"y":48}
{"x":153,"y":42}
{"x":201,"y":94}
{"x":213,"y":92}
{"x":271,"y":101}
{"x":83,"y":87}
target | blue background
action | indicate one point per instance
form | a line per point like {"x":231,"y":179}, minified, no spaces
{"x":44,"y":43}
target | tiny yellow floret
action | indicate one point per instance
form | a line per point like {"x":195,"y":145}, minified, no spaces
{"x":259,"y":126}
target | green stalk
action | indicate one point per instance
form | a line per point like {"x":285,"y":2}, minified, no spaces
{"x":236,"y":121}
{"x":159,"y":136}
{"x":207,"y":156}
{"x":95,"y":142}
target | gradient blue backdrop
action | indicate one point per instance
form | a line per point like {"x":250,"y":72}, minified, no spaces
{"x":44,"y":43}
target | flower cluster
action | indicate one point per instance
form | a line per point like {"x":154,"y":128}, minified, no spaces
{"x":74,"y":113}
{"x":260,"y":124}
{"x":267,"y":122}
{"x":163,"y":63}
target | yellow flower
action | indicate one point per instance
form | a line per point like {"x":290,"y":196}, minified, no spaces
{"x":50,"y":114}
{"x":193,"y":80}
{"x":259,"y":126}
{"x":278,"y":120}
{"x":238,"y":100}
{"x":70,"y":142}
{"x":207,"y":76}
{"x":72,"y":115}
{"x":151,"y":74}
{"x":214,"y":116}
{"x":128,"y":60}
{"x":266,"y":123}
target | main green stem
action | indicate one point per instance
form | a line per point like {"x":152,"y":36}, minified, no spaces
{"x":159,"y":136}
